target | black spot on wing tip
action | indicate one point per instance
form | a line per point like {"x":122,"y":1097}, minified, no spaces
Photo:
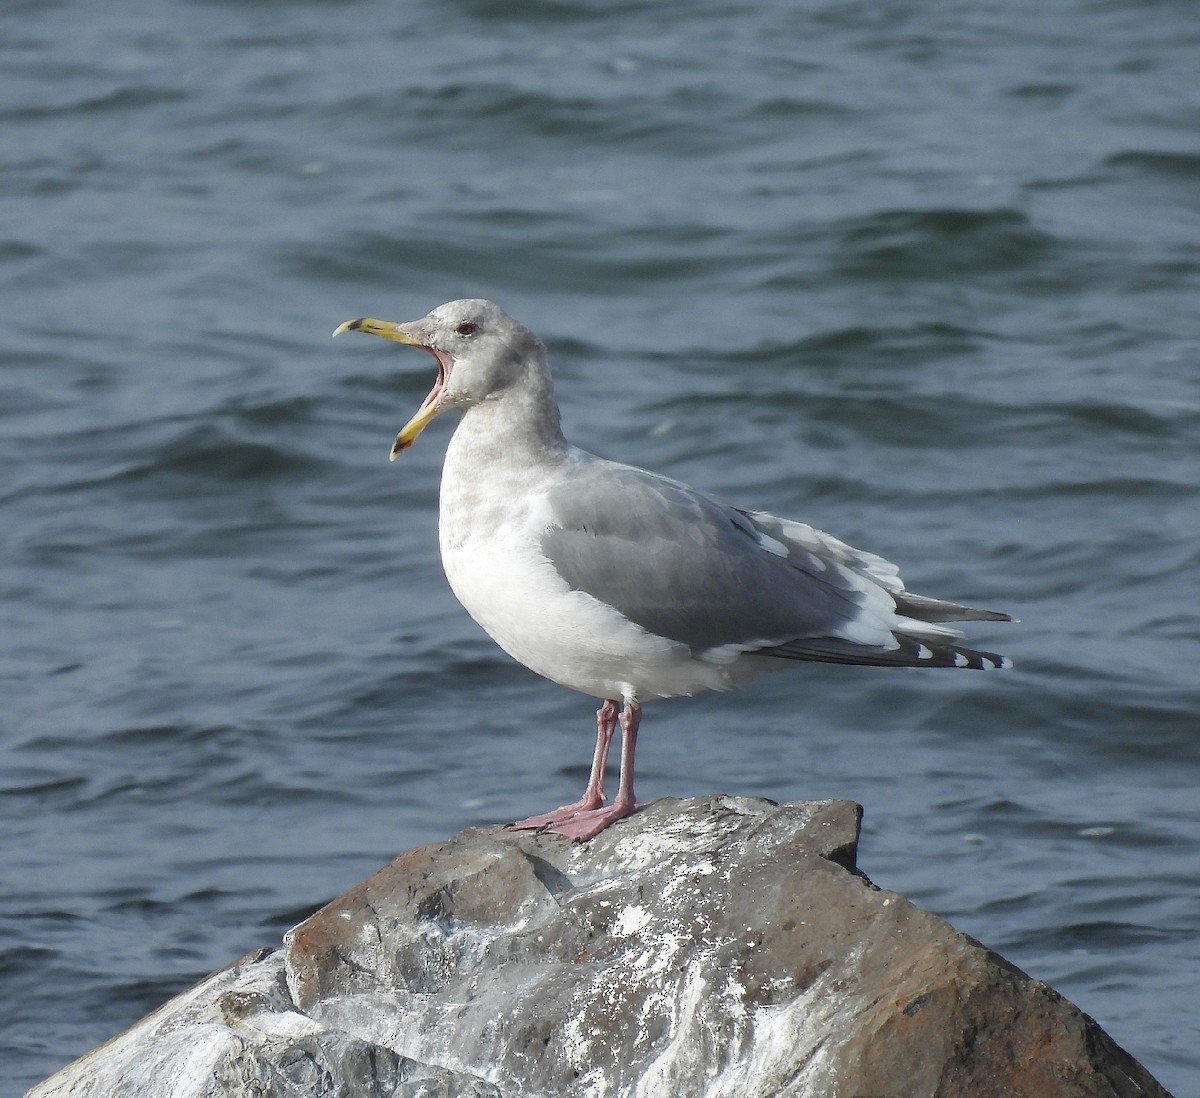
{"x":909,"y":652}
{"x":970,"y":659}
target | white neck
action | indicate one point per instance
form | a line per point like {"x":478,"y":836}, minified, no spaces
{"x":517,"y":425}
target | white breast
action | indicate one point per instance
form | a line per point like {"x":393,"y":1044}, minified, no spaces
{"x":490,"y":528}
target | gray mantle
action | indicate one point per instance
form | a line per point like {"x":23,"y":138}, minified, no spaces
{"x":719,"y":946}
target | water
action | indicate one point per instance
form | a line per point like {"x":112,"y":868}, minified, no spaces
{"x":922,"y":275}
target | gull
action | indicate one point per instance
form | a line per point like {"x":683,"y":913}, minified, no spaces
{"x":626,"y":585}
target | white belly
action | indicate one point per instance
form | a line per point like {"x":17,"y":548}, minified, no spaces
{"x":492,"y":518}
{"x":567,"y":636}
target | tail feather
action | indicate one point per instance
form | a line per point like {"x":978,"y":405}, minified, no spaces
{"x":923,"y":608}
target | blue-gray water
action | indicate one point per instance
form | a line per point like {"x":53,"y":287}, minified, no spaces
{"x":923,"y":275}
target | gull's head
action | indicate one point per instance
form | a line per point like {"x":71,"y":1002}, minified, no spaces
{"x":480,"y":350}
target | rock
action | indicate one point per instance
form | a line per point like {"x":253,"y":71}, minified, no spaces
{"x":716,"y":947}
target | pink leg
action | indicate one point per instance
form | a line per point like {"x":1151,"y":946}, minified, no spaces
{"x":593,"y":795}
{"x":589,"y":823}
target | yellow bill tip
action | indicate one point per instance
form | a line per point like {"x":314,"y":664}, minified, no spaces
{"x":348,"y":326}
{"x":408,"y":433}
{"x":385,"y":329}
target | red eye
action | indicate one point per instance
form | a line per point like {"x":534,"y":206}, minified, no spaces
{"x":466,"y":328}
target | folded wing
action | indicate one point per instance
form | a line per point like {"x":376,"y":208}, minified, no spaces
{"x":686,"y":566}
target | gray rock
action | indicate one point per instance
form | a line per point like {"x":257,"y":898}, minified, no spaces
{"x":716,"y":947}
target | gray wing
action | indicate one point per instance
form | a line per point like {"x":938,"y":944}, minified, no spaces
{"x":685,"y":566}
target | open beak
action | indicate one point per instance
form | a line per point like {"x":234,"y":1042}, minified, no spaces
{"x":432,"y":404}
